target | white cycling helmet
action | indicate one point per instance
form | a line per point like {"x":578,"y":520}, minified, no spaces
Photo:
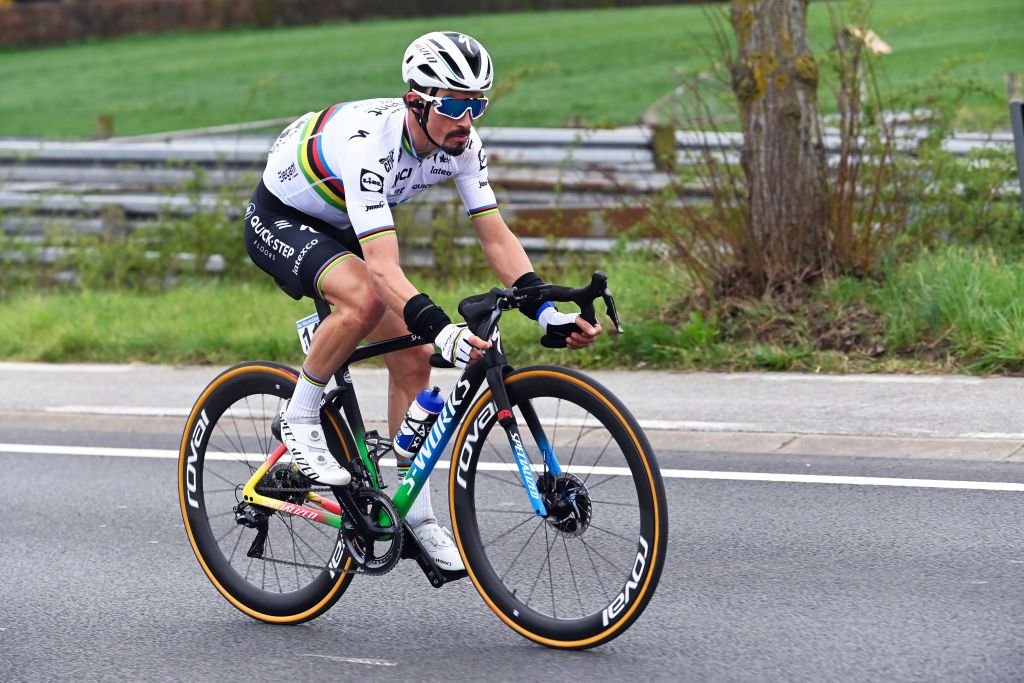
{"x":446,"y":59}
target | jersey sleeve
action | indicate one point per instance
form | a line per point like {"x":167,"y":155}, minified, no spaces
{"x":471,"y":179}
{"x":365,"y":199}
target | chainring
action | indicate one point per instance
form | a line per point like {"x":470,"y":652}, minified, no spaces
{"x":380,"y":553}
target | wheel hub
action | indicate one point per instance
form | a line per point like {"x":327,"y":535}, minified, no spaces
{"x":568,"y":502}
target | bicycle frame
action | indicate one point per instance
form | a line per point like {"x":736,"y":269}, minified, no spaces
{"x":492,"y":368}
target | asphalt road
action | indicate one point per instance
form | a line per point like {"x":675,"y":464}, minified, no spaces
{"x":765,"y":580}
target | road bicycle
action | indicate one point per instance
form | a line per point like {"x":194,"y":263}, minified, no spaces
{"x":562,"y":526}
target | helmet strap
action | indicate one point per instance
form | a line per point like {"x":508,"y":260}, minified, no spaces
{"x":422,"y":112}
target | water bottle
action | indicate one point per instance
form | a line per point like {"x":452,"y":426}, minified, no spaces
{"x":417,"y":423}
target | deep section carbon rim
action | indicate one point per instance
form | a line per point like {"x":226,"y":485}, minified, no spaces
{"x":583,"y":575}
{"x":275,"y":566}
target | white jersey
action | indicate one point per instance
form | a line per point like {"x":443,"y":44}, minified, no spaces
{"x":349,"y":164}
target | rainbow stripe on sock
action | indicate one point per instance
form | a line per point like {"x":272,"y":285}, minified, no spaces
{"x":313,"y":379}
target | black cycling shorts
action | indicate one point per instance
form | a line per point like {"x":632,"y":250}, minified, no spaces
{"x":294,"y":248}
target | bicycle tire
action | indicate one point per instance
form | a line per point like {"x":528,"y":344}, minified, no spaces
{"x":612,"y":609}
{"x":240,"y":383}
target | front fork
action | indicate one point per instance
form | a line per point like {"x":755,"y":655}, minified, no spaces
{"x":507,"y":420}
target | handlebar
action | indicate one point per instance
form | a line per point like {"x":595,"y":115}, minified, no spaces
{"x":482,"y":311}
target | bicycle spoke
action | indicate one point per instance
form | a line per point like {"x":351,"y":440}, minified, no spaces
{"x":289,"y":526}
{"x":547,"y":558}
{"x":551,"y":578}
{"x":255,"y":429}
{"x":263,"y":580}
{"x":604,"y":591}
{"x":506,"y":533}
{"x":603,"y":481}
{"x":612,"y":502}
{"x":220,"y":514}
{"x":590,"y":547}
{"x":572,"y":573}
{"x":523,"y":549}
{"x":594,"y":466}
{"x":241,"y":531}
{"x":218,"y":449}
{"x":528,"y":513}
{"x":554,"y":435}
{"x":316,"y":553}
{"x":232,"y":490}
{"x":319,"y":527}
{"x":511,"y":466}
{"x":578,"y":436}
{"x":297,"y":549}
{"x":610,"y":533}
{"x":280,"y":588}
{"x":490,"y":475}
{"x":229,"y":530}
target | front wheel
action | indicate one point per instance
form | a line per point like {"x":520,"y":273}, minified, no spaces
{"x":275,"y":567}
{"x":583,"y":575}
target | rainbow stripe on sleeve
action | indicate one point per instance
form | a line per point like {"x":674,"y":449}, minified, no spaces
{"x":483,"y":211}
{"x":324,"y":181}
{"x":375,"y":233}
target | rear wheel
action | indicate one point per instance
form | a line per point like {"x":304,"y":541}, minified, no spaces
{"x":584,"y":574}
{"x":294,"y":572}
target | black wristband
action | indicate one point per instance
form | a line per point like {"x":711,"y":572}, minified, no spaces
{"x":423,"y":317}
{"x":530,"y":279}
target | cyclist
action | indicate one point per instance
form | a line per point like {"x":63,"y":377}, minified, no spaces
{"x":320,"y":223}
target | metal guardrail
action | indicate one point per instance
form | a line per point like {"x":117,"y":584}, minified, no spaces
{"x":534,"y":169}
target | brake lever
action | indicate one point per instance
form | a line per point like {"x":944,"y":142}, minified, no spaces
{"x":609,"y":302}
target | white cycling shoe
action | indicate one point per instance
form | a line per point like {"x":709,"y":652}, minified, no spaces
{"x":306,"y":443}
{"x":438,"y":543}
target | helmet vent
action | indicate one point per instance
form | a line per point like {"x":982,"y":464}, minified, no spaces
{"x":429,"y":72}
{"x":451,"y":63}
{"x":473,"y":60}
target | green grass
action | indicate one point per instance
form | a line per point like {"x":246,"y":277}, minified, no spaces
{"x":602,"y":67}
{"x":957,"y":310}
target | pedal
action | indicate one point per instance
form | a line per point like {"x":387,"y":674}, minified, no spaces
{"x":411,"y":549}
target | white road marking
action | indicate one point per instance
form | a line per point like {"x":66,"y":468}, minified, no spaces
{"x":654,"y":425}
{"x":854,"y":379}
{"x":128,"y":411}
{"x":65,"y":367}
{"x":355,"y":660}
{"x":157,"y":411}
{"x":34,"y":449}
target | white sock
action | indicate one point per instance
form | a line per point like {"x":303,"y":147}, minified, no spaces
{"x":421,"y":510}
{"x":305,"y":403}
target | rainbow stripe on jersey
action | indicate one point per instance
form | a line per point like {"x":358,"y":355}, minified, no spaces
{"x":322,"y":179}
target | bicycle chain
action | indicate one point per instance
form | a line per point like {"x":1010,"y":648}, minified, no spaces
{"x":313,"y":566}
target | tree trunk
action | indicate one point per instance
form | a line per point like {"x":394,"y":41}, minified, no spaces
{"x":775,"y":79}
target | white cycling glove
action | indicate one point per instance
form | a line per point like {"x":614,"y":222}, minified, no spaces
{"x":551,"y":316}
{"x":453,"y":343}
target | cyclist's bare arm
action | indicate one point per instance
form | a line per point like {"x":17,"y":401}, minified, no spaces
{"x":509,"y":261}
{"x":388,"y":278}
{"x":502,"y":249}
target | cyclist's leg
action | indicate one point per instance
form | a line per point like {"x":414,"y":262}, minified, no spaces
{"x":311,"y":257}
{"x":408,"y":374}
{"x":314,"y":258}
